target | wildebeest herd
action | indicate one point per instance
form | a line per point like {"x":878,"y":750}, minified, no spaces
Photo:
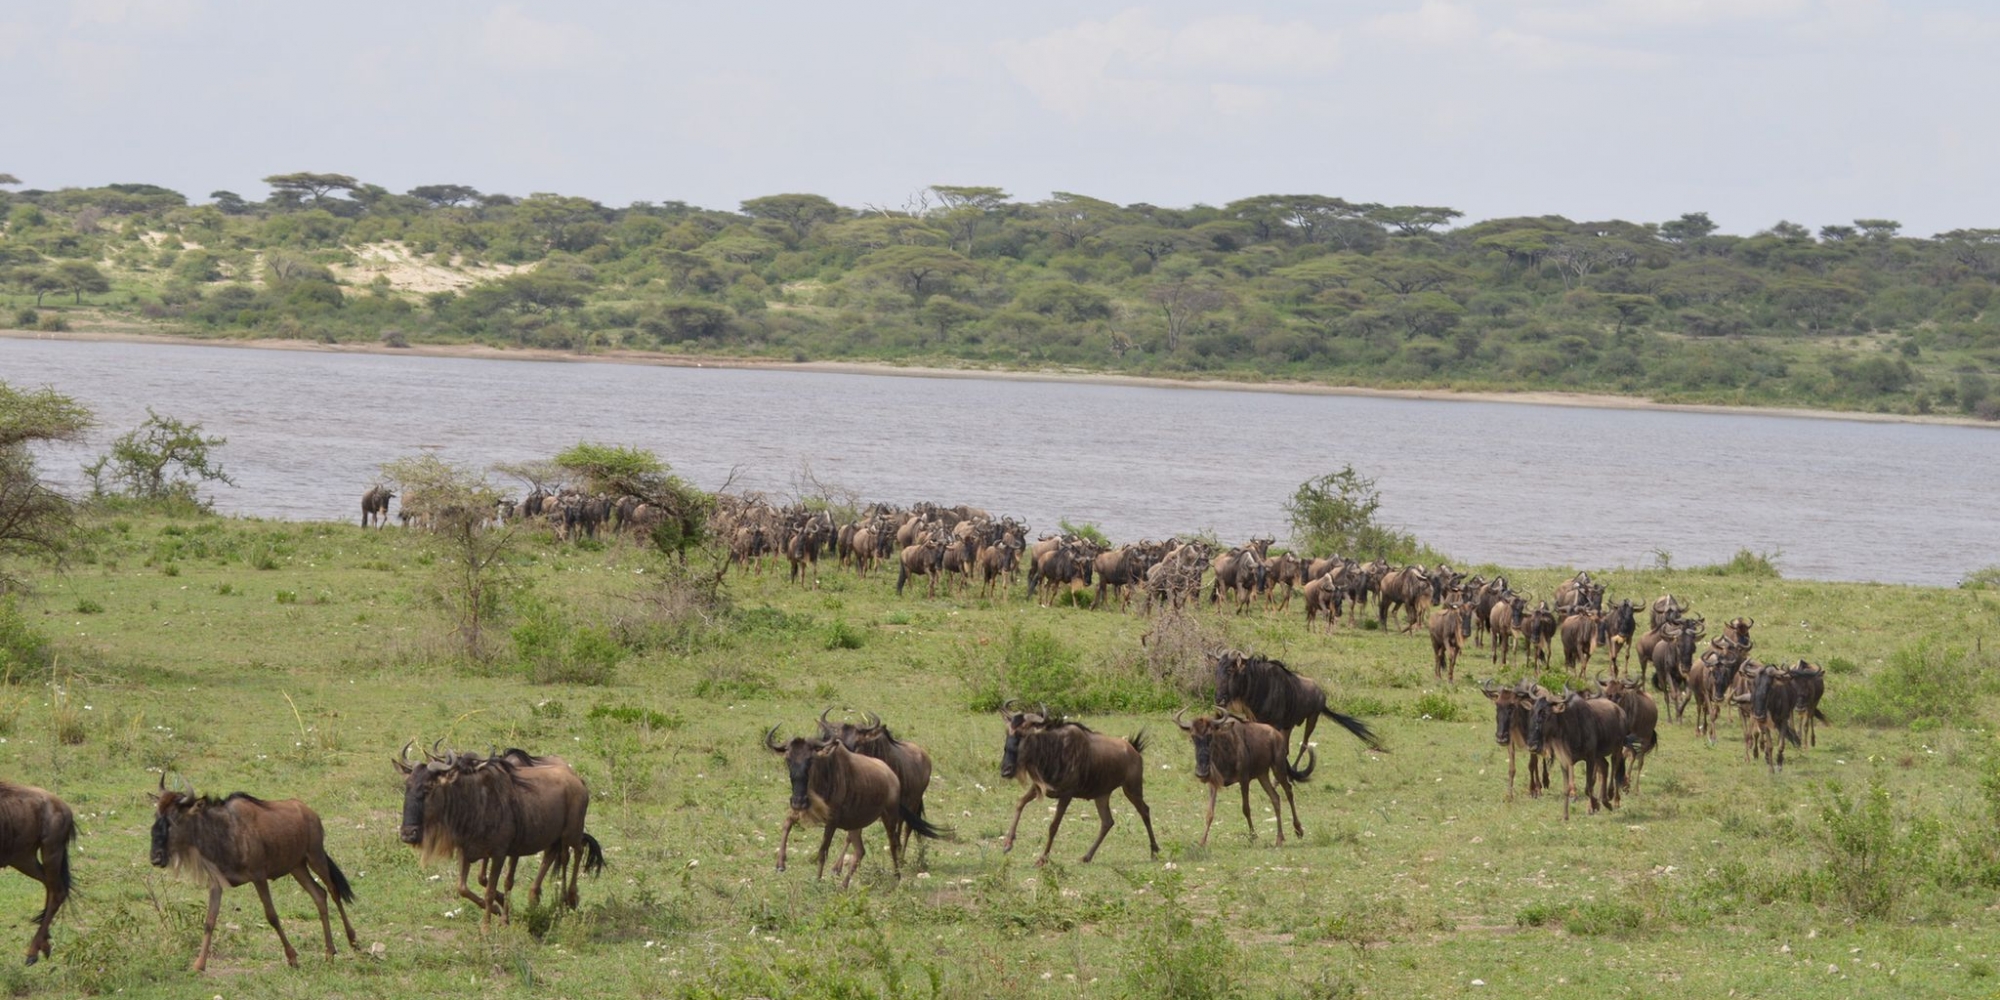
{"x":496,"y":808}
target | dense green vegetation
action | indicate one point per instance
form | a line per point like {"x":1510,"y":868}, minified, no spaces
{"x":1850,"y":316}
{"x":294,"y":659}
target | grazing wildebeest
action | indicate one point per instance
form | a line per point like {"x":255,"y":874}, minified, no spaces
{"x":1231,"y":751}
{"x":843,"y":791}
{"x":1576,"y":728}
{"x":1064,"y":760}
{"x":1408,"y":588}
{"x":1512,"y":707}
{"x":1579,"y":635}
{"x":229,"y":841}
{"x":1772,"y":701}
{"x":1642,"y":721}
{"x":1448,"y":625}
{"x":497,"y":808}
{"x":1265,"y":690}
{"x":36,"y":830}
{"x":911,"y":762}
{"x":1809,"y":686}
{"x":375,"y":506}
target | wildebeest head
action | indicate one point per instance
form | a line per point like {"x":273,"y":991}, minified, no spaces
{"x":1202,"y":733}
{"x":1541,"y":718}
{"x":799,"y":754}
{"x":1506,"y":700}
{"x":420,"y":780}
{"x":1228,"y":674}
{"x":1019,"y":724}
{"x":169,"y":809}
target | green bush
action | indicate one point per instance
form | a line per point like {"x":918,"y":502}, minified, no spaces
{"x":552,"y":649}
{"x":1987,"y":578}
{"x":1037,"y":667}
{"x":841,"y":635}
{"x":23,"y":648}
{"x":1436,"y":706}
{"x":1927,"y":683}
{"x":1756,"y":565}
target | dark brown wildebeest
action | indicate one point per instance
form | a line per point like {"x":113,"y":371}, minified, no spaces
{"x":1642,"y":721}
{"x":843,"y":791}
{"x":1265,"y":690}
{"x":1738,"y":630}
{"x":1772,"y":700}
{"x":1231,"y":751}
{"x":996,"y":562}
{"x":1448,"y":625}
{"x":1710,"y":678}
{"x":495,"y":809}
{"x":911,"y":762}
{"x":1286,"y":571}
{"x":1068,"y":564}
{"x":1580,"y":591}
{"x":808,"y":539}
{"x":1665,"y":608}
{"x":1809,"y":686}
{"x":36,"y":831}
{"x":1408,"y":588}
{"x":1512,"y":707}
{"x":1324,"y":596}
{"x":925,"y":559}
{"x":1064,"y":760}
{"x":229,"y":841}
{"x":1538,"y":627}
{"x":1489,"y":594}
{"x":375,"y":506}
{"x":1579,"y":635}
{"x":1124,"y":568}
{"x":1575,"y":728}
{"x":1672,"y":658}
{"x":1239,"y":571}
{"x":1616,"y":631}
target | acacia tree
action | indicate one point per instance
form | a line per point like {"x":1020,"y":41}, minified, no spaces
{"x":163,"y":460}
{"x":452,"y":504}
{"x":1184,"y":295}
{"x":617,"y":470}
{"x":34,"y":517}
{"x":1335,"y":513}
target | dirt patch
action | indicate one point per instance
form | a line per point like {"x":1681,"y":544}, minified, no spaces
{"x":407,"y":271}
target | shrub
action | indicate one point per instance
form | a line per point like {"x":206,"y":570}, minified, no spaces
{"x":86,"y":606}
{"x":1987,"y":578}
{"x":841,"y":635}
{"x":554,"y":650}
{"x":1038,"y":667}
{"x":1925,"y":683}
{"x":1758,"y":565}
{"x":23,"y":648}
{"x":1436,"y":706}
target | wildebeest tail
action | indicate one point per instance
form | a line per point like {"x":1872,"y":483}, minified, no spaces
{"x":921,"y":825}
{"x":902,"y":577}
{"x":1783,"y":722}
{"x":1358,"y":728}
{"x":593,"y":854}
{"x":338,"y":882}
{"x":1819,"y":716}
{"x":1298,"y":775}
{"x":1138,"y":741}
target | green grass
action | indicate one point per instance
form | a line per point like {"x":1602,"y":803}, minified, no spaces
{"x":1413,"y":878}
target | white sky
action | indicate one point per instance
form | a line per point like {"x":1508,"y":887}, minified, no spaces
{"x":1817,"y":111}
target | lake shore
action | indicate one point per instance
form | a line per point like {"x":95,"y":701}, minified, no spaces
{"x":1605,"y":401}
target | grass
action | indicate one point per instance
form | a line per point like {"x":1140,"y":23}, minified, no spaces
{"x":1413,"y":878}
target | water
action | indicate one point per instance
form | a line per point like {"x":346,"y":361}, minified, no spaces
{"x":1520,"y":485}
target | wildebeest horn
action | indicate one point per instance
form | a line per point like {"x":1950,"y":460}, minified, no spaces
{"x":434,"y":752}
{"x":874,"y":721}
{"x":769,"y":740}
{"x":163,"y":779}
{"x":1042,"y":709}
{"x":406,"y":751}
{"x":1177,"y":719}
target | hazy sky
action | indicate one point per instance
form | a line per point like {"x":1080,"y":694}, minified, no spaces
{"x":1817,"y":111}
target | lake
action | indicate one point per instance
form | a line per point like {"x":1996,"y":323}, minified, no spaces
{"x":1515,"y":484}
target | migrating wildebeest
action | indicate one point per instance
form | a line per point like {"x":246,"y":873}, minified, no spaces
{"x":375,"y":506}
{"x":494,"y":809}
{"x":1580,"y":632}
{"x":1065,"y":760}
{"x":1642,"y":721}
{"x":1809,"y":686}
{"x":1616,"y":631}
{"x":1265,"y":690}
{"x":1408,"y":588}
{"x":910,"y":762}
{"x":1575,"y":728}
{"x":1448,"y":627}
{"x":843,"y":791}
{"x":36,"y":831}
{"x":1512,"y":709}
{"x":1233,"y":751}
{"x":241,"y":838}
{"x":1769,"y":705}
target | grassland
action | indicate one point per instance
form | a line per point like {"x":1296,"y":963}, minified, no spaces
{"x":294,"y":659}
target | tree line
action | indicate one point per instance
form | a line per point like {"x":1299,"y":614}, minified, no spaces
{"x":1855,"y":315}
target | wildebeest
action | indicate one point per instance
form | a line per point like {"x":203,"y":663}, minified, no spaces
{"x":1616,"y":631}
{"x":1265,"y":690}
{"x":375,"y":506}
{"x":1324,"y":595}
{"x":497,"y":808}
{"x":36,"y":831}
{"x":241,"y":838}
{"x":1537,"y":628}
{"x":1231,"y":751}
{"x":925,"y":559}
{"x":1241,"y":572}
{"x":1772,"y":700}
{"x":1065,"y":760}
{"x":1642,"y":720}
{"x":1408,"y":588}
{"x":1710,"y":678}
{"x":1123,"y":568}
{"x":911,"y":762}
{"x":1579,"y":592}
{"x":1448,"y":625}
{"x":1512,"y":707}
{"x":843,"y":791}
{"x":1809,"y":686}
{"x":1672,"y":657}
{"x":1579,"y":635}
{"x":1665,"y":608}
{"x":1576,"y":728}
{"x":1502,"y":620}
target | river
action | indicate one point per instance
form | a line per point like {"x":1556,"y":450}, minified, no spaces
{"x":1509,"y":483}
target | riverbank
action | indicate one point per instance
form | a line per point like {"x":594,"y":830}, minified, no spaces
{"x":1603,"y":401}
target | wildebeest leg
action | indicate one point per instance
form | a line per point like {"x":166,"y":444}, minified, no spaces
{"x":1294,"y":803}
{"x":1103,"y":803}
{"x":1132,"y":793}
{"x":853,"y":841}
{"x":785,"y":836}
{"x":304,"y":876}
{"x":535,"y":890}
{"x":894,"y":826}
{"x":464,"y":871}
{"x":1212,"y":790}
{"x":1510,"y":772}
{"x":39,"y":944}
{"x":271,"y":914}
{"x":1034,"y":792}
{"x":1305,"y":738}
{"x":1276,"y":812}
{"x":208,"y":927}
{"x":1252,"y":823}
{"x":826,"y":842}
{"x":1055,"y":823}
{"x":1569,"y":785}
